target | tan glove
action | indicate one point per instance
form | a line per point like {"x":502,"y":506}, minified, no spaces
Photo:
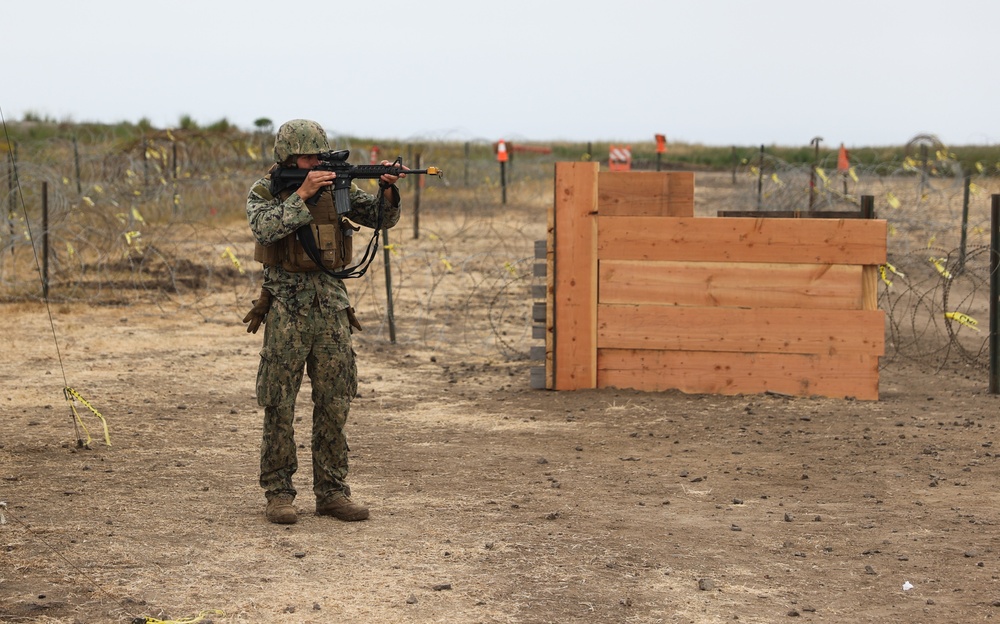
{"x":353,"y":320}
{"x":258,"y":315}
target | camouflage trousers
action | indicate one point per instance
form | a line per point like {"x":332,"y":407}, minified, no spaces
{"x":318,"y":341}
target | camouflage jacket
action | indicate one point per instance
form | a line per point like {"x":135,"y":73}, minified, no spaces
{"x":271,"y":220}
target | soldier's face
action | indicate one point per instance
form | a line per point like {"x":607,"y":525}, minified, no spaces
{"x":307,"y":161}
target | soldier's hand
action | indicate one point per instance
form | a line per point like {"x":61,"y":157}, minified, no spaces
{"x":315,"y":182}
{"x":256,"y":316}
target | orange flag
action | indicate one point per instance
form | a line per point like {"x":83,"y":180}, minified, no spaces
{"x":843,"y":162}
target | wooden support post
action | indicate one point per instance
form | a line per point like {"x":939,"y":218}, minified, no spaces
{"x":574,"y":298}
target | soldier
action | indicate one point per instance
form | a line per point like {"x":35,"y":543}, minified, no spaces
{"x":308,"y":320}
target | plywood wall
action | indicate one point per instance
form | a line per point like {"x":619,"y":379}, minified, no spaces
{"x":641,"y":294}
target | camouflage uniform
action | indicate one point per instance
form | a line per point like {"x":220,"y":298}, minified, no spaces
{"x":307,"y":327}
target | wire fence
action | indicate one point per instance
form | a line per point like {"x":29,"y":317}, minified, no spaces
{"x":161,"y":220}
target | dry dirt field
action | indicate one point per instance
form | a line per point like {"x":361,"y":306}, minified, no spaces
{"x":491,"y":502}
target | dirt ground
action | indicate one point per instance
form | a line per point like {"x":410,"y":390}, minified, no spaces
{"x":491,"y":502}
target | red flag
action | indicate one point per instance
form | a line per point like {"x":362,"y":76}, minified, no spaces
{"x":843,"y":162}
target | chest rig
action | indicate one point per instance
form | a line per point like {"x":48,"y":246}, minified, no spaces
{"x":333,"y":236}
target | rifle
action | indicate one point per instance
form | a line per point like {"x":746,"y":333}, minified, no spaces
{"x":336,"y":161}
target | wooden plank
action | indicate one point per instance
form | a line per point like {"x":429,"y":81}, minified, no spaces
{"x":645,"y":193}
{"x":728,"y":284}
{"x":869,"y":287}
{"x":774,"y":330}
{"x":840,"y":376}
{"x":792,"y":214}
{"x":550,"y":278}
{"x":575,"y":284}
{"x":809,"y":241}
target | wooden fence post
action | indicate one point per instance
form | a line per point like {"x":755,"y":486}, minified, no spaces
{"x":574,"y":297}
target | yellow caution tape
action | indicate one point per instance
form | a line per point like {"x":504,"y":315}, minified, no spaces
{"x":447,"y":265}
{"x":228,"y":253}
{"x":964,"y":319}
{"x":854,"y":174}
{"x":88,"y":201}
{"x":65,"y":180}
{"x":939,"y":265}
{"x":822,"y":175}
{"x":979,"y":167}
{"x":131,"y":236}
{"x":776,"y":179}
{"x":70,"y":392}
{"x":510,"y":268}
{"x":881,"y":272}
{"x":892,"y":199}
{"x":137,"y":216}
{"x":198,"y":618}
{"x":391,"y":247}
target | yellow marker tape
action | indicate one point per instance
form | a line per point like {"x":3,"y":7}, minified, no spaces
{"x":70,"y":250}
{"x":964,"y":319}
{"x":974,"y":189}
{"x":137,"y":216}
{"x":392,"y":248}
{"x":822,"y":175}
{"x":98,"y":189}
{"x":893,"y":269}
{"x":131,"y":236}
{"x":939,"y":265}
{"x":228,"y":253}
{"x":776,"y":179}
{"x":68,"y":392}
{"x":88,"y":201}
{"x":447,"y":264}
{"x":892,"y":199}
{"x":510,"y":268}
{"x":881,"y":272}
{"x":854,"y":174}
{"x":129,"y":173}
{"x":979,"y":167}
{"x":65,"y":180}
{"x":198,"y":618}
{"x":753,"y":170}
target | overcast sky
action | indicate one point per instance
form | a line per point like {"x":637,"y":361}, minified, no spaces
{"x":722,"y":72}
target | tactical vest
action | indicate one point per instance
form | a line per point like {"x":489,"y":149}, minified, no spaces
{"x":333,"y":235}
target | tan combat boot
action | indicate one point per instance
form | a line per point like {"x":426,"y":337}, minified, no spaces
{"x":280,"y":509}
{"x":343,"y":508}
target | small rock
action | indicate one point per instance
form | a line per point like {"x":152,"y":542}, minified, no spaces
{"x":789,"y":517}
{"x":793,"y":613}
{"x":411,"y":600}
{"x":706,"y":584}
{"x":441,"y":587}
{"x":869,"y":570}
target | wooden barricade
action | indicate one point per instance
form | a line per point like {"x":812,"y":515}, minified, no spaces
{"x":641,"y":294}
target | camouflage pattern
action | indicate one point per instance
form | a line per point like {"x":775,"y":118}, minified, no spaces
{"x":271,"y":220}
{"x":318,"y":341}
{"x":307,"y":328}
{"x":297,"y":137}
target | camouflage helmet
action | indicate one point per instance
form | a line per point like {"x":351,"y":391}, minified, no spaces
{"x":299,"y":136}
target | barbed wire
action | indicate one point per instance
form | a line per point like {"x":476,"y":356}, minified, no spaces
{"x":160,"y":221}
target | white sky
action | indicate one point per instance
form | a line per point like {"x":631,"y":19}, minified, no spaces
{"x":719,"y":72}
